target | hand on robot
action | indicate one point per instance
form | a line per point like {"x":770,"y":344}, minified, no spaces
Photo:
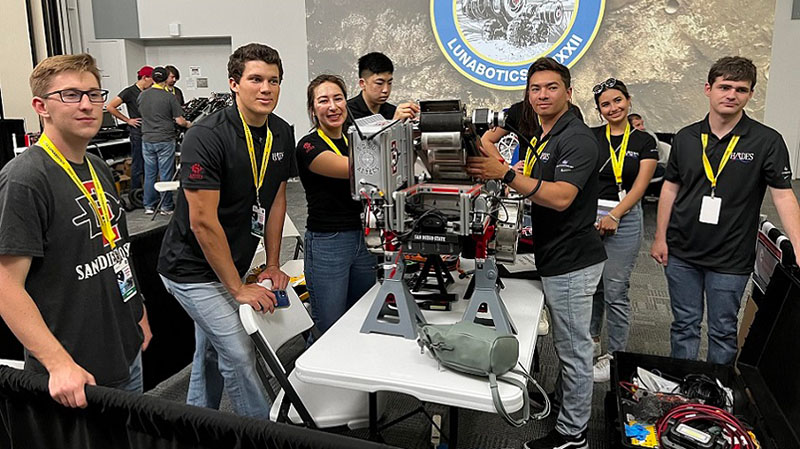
{"x":486,"y":167}
{"x":406,"y":110}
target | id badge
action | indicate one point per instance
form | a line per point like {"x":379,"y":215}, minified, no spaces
{"x":709,"y":210}
{"x":257,"y":221}
{"x":622,"y":193}
{"x":127,"y":286}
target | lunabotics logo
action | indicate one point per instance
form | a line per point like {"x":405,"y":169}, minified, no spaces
{"x":493,"y":42}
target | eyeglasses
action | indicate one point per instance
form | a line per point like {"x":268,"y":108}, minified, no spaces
{"x":75,"y":95}
{"x":607,"y":84}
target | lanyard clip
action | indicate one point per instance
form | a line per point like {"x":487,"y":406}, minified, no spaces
{"x":713,"y":191}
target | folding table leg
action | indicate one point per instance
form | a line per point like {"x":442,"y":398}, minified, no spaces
{"x":373,"y":416}
{"x":453,"y":441}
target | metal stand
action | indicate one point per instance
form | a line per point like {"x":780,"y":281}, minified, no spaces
{"x":408,"y":313}
{"x":433,"y":262}
{"x":487,"y":292}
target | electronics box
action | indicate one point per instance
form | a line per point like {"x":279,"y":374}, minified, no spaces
{"x":765,"y":381}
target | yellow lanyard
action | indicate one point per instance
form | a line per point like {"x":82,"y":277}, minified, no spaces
{"x":327,"y":140}
{"x":531,"y":158}
{"x":707,"y":165}
{"x":617,"y":160}
{"x":101,"y":210}
{"x":159,"y":86}
{"x":258,"y":175}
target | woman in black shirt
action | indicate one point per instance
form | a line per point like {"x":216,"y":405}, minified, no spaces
{"x":630,"y":160}
{"x":338,"y":267}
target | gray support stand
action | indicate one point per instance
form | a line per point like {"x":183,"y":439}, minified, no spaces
{"x":486,"y":291}
{"x":408,"y":313}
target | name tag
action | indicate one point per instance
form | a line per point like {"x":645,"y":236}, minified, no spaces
{"x":709,"y":210}
{"x":257,"y":221}
{"x":127,"y":286}
{"x":622,"y":193}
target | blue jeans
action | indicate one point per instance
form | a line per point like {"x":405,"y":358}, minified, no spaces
{"x":723,"y":293}
{"x":224,"y":355}
{"x":137,"y":162}
{"x":339,"y":270}
{"x":569,"y":298}
{"x":159,"y":162}
{"x":134,"y":382}
{"x":622,"y":249}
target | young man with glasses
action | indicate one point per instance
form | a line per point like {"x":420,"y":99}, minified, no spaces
{"x":160,"y":112}
{"x":130,"y":96}
{"x":568,"y":250}
{"x":234,"y":168}
{"x":718,"y":171}
{"x":69,"y":293}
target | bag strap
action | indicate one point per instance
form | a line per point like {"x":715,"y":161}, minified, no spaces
{"x":526,"y":410}
{"x":545,"y":412}
{"x":501,"y":409}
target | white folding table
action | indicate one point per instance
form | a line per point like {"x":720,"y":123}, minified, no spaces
{"x":344,"y":357}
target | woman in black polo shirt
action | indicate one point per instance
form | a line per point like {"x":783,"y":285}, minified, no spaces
{"x":338,"y":267}
{"x":630,"y":159}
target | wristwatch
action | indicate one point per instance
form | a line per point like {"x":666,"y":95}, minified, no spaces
{"x":508,"y":178}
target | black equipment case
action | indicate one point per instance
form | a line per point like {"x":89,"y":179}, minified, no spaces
{"x":766,"y":379}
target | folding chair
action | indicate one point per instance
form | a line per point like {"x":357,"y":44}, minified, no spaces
{"x":290,"y":231}
{"x":315,"y":406}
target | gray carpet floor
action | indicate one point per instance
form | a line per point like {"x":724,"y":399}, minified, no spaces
{"x":649,"y":335}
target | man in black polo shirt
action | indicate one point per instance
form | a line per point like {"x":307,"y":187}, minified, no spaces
{"x":718,"y":171}
{"x":569,"y":253}
{"x":130,"y":96}
{"x":234,"y":167}
{"x":375,"y":78}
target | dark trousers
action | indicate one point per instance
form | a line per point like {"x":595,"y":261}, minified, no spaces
{"x":137,"y":164}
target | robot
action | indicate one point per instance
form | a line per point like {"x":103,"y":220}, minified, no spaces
{"x":444,"y":212}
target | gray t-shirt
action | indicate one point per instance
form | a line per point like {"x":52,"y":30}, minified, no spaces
{"x":159,"y":110}
{"x":72,"y":277}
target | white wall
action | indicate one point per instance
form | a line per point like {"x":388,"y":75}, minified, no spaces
{"x":210,"y":57}
{"x":783,"y":88}
{"x":279,"y":24}
{"x":15,"y":52}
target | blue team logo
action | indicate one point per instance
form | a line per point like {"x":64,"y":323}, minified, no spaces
{"x":492,"y":42}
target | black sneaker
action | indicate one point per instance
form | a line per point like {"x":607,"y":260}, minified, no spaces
{"x":555,"y":440}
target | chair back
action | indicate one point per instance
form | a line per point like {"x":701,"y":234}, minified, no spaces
{"x":289,"y":229}
{"x":279,"y":327}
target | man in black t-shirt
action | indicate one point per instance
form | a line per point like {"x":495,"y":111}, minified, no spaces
{"x":375,"y":78}
{"x":130,"y":96}
{"x":569,"y":253}
{"x":717,"y":174}
{"x":69,"y":292}
{"x":210,"y":242}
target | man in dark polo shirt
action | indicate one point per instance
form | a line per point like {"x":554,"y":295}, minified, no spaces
{"x":718,"y":171}
{"x":375,"y":78}
{"x":569,"y":253}
{"x":130,"y":96}
{"x":234,"y":168}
